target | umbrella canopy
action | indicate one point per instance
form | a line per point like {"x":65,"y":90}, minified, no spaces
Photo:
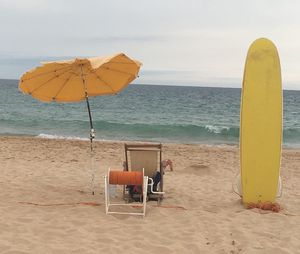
{"x":74,"y":80}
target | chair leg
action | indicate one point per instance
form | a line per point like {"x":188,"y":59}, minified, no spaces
{"x":106,"y":192}
{"x":145,"y":189}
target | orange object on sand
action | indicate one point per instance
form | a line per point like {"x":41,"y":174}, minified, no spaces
{"x":126,"y":177}
{"x":274,"y":207}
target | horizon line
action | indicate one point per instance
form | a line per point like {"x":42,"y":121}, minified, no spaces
{"x":177,"y":85}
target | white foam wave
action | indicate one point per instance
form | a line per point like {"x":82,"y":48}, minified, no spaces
{"x":216,"y":129}
{"x":49,"y":136}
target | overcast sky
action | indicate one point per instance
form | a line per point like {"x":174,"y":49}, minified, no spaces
{"x":185,"y":42}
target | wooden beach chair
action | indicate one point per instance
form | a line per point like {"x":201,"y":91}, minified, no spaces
{"x":147,"y":158}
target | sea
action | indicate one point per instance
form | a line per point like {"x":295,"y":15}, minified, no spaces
{"x":154,"y":113}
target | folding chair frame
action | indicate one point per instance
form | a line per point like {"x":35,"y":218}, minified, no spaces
{"x":108,"y":203}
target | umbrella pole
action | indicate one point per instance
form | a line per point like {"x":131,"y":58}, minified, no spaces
{"x":92,"y":136}
{"x":92,"y":131}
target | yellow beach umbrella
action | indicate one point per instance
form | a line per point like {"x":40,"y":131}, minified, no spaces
{"x":75,"y":80}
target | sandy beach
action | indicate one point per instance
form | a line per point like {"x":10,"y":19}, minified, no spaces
{"x":46,"y":203}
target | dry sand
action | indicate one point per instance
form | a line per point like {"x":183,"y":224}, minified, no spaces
{"x":54,"y":174}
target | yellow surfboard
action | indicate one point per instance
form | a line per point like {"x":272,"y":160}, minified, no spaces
{"x":261,"y":123}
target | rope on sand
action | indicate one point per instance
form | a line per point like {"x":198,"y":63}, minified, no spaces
{"x":62,"y":204}
{"x":96,"y":204}
{"x":170,"y":206}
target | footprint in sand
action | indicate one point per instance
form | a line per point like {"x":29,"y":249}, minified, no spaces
{"x":198,"y":169}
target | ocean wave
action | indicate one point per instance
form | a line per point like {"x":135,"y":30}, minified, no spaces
{"x":113,"y":130}
{"x":291,"y":135}
{"x":49,"y":136}
{"x":183,"y":132}
{"x":109,"y":130}
{"x":216,"y":129}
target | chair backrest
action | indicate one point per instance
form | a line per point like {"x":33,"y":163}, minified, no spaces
{"x":144,"y":156}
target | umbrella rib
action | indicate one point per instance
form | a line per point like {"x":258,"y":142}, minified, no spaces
{"x":108,"y":68}
{"x":104,"y":82}
{"x":46,"y":73}
{"x":42,"y":85}
{"x":121,"y":62}
{"x":62,"y":86}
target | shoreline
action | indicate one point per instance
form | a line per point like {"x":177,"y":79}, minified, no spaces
{"x":212,"y":144}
